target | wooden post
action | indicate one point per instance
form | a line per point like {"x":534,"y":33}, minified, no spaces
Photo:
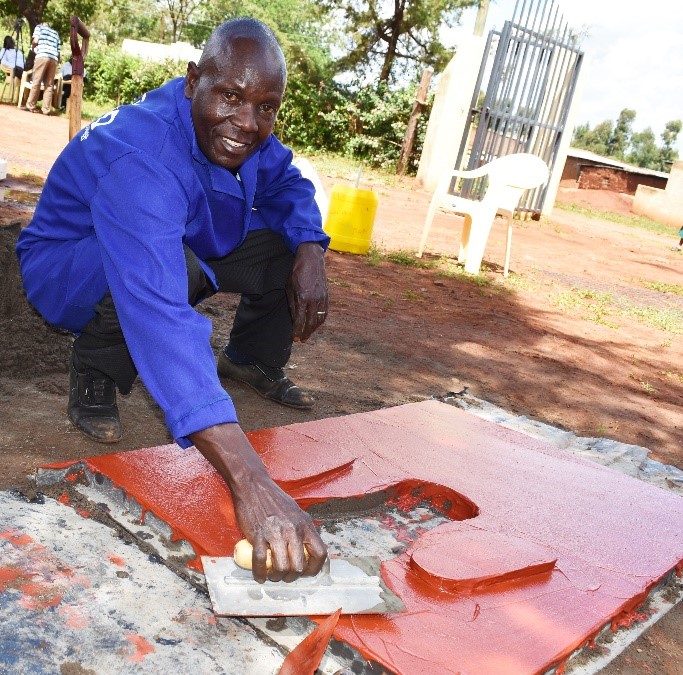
{"x":78,"y":55}
{"x":411,"y":130}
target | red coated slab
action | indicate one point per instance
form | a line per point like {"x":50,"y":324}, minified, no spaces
{"x":553,"y":547}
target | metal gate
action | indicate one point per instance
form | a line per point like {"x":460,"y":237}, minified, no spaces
{"x":528,"y":88}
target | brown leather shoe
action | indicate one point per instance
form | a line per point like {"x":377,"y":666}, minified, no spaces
{"x":92,"y":405}
{"x":271,"y":383}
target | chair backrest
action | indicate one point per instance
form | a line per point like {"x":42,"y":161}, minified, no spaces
{"x":510,"y":176}
{"x":520,"y":170}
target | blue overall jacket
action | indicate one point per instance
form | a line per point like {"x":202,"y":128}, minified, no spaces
{"x":118,"y":205}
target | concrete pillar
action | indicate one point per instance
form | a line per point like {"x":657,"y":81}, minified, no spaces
{"x":449,"y":113}
{"x":563,"y":149}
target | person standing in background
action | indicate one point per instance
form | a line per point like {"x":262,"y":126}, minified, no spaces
{"x":46,"y":44}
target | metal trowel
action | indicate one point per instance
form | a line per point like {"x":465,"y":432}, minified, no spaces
{"x":352,"y":584}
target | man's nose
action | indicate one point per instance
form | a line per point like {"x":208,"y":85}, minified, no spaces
{"x":245,"y":118}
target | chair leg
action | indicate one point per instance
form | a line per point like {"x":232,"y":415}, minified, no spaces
{"x":465,"y":238}
{"x":431,"y":212}
{"x":508,"y":246}
{"x":481,"y":227}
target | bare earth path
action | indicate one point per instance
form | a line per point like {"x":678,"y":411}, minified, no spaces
{"x":579,"y":337}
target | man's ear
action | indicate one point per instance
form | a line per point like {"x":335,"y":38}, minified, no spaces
{"x":191,"y":79}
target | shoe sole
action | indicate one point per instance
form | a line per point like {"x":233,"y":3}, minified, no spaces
{"x":105,"y":441}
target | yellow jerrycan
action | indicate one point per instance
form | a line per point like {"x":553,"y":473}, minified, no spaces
{"x":350,"y":218}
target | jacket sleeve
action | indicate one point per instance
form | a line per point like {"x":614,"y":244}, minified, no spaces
{"x":139,"y":212}
{"x":285,"y":200}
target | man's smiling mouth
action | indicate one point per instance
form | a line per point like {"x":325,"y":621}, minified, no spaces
{"x":234,"y":144}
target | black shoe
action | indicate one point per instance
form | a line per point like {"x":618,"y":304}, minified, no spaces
{"x":271,"y":383}
{"x":92,"y":405}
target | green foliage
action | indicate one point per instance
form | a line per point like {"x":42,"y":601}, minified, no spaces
{"x":58,"y":14}
{"x":621,"y":142}
{"x":397,"y":42}
{"x":644,"y":151}
{"x":113,"y":76}
{"x":366,"y":123}
{"x":115,"y":20}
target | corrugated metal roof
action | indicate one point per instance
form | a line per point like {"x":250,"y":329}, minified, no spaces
{"x":609,"y":161}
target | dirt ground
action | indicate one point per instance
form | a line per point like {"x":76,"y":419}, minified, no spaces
{"x":570,"y":338}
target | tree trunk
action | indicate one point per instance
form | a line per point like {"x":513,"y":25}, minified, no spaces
{"x":411,"y":131}
{"x":394,"y":33}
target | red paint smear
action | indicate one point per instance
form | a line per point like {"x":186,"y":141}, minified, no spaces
{"x":627,"y":619}
{"x":39,"y":596}
{"x":142,"y":648}
{"x":74,"y":618}
{"x":16,"y":537}
{"x":64,"y":499}
{"x":116,"y":560}
{"x":517,"y":485}
{"x":8,"y":575}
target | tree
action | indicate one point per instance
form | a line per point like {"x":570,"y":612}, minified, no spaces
{"x":595,"y":140}
{"x":644,"y":151}
{"x":621,"y":136}
{"x":669,"y":136}
{"x":179,"y":13}
{"x":400,"y":35}
{"x":57,"y":12}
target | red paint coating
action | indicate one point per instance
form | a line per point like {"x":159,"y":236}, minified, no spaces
{"x":613,"y":537}
{"x":479,"y":559}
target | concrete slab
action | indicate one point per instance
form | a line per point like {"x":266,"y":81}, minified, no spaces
{"x":612,"y":538}
{"x":75,"y":597}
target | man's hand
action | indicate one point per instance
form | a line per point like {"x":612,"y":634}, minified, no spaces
{"x":307,"y":291}
{"x":267,"y":516}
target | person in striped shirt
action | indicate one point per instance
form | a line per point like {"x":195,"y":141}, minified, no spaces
{"x":46,"y":44}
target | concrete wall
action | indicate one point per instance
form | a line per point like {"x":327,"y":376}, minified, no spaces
{"x":664,"y":206}
{"x":449,"y":113}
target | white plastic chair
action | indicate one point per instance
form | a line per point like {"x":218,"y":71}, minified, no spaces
{"x":25,"y":88}
{"x":508,"y":178}
{"x":308,"y":171}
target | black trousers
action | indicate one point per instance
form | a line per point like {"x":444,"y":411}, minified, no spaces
{"x":262,"y":330}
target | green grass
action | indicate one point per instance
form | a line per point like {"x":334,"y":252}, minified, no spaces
{"x":640,"y":222}
{"x":599,"y":307}
{"x":668,"y":319}
{"x":663,"y":288}
{"x":346,"y":168}
{"x":593,"y":305}
{"x":91,"y":110}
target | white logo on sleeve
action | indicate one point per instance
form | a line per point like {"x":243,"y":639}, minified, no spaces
{"x":103,"y":121}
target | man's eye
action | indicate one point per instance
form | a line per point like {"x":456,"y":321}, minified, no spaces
{"x":267,"y":109}
{"x":230,"y":96}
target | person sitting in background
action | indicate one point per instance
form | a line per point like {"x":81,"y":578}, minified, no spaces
{"x":67,"y":72}
{"x":12,"y":58}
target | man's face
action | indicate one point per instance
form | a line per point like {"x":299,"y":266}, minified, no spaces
{"x":235,"y":99}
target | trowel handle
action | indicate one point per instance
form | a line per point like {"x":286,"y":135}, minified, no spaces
{"x":244,"y":551}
